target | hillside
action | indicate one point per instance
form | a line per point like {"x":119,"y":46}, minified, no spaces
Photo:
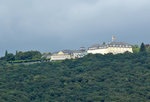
{"x":94,"y":78}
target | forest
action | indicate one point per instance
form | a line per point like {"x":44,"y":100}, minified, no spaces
{"x":93,"y":78}
{"x":21,"y":57}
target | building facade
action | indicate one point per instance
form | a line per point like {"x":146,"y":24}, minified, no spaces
{"x":68,"y":54}
{"x":60,"y":56}
{"x":113,"y":47}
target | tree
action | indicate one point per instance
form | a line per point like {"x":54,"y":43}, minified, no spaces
{"x":93,"y":78}
{"x":16,"y":52}
{"x":6,"y":53}
{"x":104,"y":43}
{"x":29,"y":55}
{"x":142,"y":48}
{"x":10,"y":57}
{"x":135,"y":48}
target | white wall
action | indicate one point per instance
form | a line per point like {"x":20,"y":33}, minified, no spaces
{"x":98,"y":51}
{"x":116,"y":50}
{"x":113,"y":50}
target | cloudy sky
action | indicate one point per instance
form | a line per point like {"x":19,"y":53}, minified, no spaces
{"x":52,"y":25}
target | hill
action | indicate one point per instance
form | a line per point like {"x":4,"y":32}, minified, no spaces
{"x":94,"y":78}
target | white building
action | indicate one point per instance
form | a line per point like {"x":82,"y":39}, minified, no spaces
{"x":113,"y":47}
{"x":97,"y":49}
{"x":69,"y":54}
{"x":60,"y":56}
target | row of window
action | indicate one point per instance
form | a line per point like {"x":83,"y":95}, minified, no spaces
{"x":127,"y":46}
{"x":118,"y":46}
{"x":61,"y":57}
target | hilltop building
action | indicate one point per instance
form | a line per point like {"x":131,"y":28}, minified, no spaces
{"x":113,"y":47}
{"x":147,"y":45}
{"x":60,"y":56}
{"x":69,"y":54}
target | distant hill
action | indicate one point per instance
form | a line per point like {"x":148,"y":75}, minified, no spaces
{"x":94,"y":78}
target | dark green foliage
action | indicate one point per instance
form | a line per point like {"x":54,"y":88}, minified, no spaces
{"x":6,"y":53}
{"x":94,"y":78}
{"x":10,"y":57}
{"x":28,"y":55}
{"x":104,"y":43}
{"x":142,"y":48}
{"x":22,"y":56}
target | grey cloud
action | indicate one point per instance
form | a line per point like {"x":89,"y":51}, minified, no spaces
{"x":50,"y":25}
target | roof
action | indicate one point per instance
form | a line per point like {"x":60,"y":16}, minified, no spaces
{"x":119,"y":43}
{"x":112,"y":44}
{"x":67,"y":51}
{"x":45,"y":56}
{"x":78,"y":51}
{"x":97,"y":46}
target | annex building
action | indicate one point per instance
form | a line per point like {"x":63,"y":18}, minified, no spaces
{"x":113,"y":47}
{"x":68,"y":54}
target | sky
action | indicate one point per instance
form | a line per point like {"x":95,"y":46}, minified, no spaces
{"x":54,"y":25}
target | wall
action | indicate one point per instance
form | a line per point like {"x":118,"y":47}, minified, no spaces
{"x":113,"y":50}
{"x":98,"y":51}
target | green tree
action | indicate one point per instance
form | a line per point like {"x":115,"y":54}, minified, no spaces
{"x":10,"y":57}
{"x":93,"y":78}
{"x":142,"y":48}
{"x":104,"y":43}
{"x":28,"y":55}
{"x":135,"y":48}
{"x":6,"y":53}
